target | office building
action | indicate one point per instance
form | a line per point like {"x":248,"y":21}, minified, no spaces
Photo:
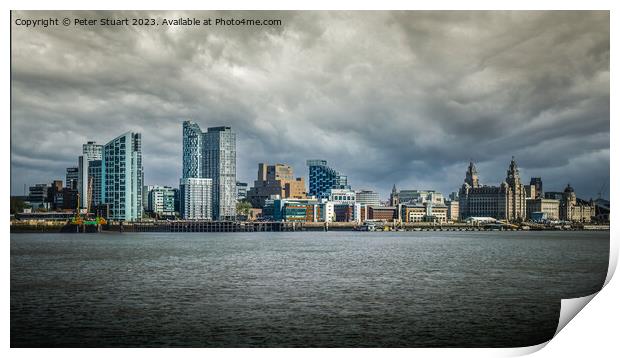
{"x":538,"y":185}
{"x":547,"y":209}
{"x":321,"y":178}
{"x":196,"y":201}
{"x":453,"y":210}
{"x":160,"y":200}
{"x":367,"y":197}
{"x":38,"y":196}
{"x":423,"y":212}
{"x":277,"y":179}
{"x":530,"y":192}
{"x":503,"y":202}
{"x":71,"y":178}
{"x":415,"y":197}
{"x":575,"y":209}
{"x":242,"y":191}
{"x":122,"y":177}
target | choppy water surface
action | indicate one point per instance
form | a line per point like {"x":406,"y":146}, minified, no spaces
{"x":343,"y":289}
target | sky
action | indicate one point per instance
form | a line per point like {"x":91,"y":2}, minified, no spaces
{"x":405,"y":98}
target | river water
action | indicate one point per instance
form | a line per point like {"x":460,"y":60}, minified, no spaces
{"x":301,"y":289}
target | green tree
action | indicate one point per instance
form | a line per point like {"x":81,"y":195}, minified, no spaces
{"x":17,"y":205}
{"x":243,"y":208}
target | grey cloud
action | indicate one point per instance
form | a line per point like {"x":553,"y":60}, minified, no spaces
{"x":386,"y":97}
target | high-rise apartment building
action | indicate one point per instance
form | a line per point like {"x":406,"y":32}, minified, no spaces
{"x":321,"y":178}
{"x":195,"y":203}
{"x":123,"y":177}
{"x":220,"y":165}
{"x":212,"y":155}
{"x":92,"y":151}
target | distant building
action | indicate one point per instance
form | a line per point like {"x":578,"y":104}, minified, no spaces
{"x":38,"y":196}
{"x":123,"y":177}
{"x":453,"y":210}
{"x":574,"y":209}
{"x":530,"y":192}
{"x":387,"y":213}
{"x":71,"y":178}
{"x":538,"y":185}
{"x":242,"y":191}
{"x":161,"y":200}
{"x":504,"y":202}
{"x":415,"y":197}
{"x":367,"y":197}
{"x":83,"y":181}
{"x":95,"y":175}
{"x":321,"y":178}
{"x":220,"y":164}
{"x":548,"y":209}
{"x":92,"y":151}
{"x":212,"y":155}
{"x":426,"y":212}
{"x":196,"y":198}
{"x":277,"y":179}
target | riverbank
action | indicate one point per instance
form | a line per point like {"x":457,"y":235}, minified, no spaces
{"x":255,"y":226}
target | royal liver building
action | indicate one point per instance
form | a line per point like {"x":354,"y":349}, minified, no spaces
{"x":503,"y":202}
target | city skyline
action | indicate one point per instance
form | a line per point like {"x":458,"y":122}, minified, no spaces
{"x":456,"y":86}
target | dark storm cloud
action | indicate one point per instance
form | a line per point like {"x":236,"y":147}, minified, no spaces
{"x":385,"y":97}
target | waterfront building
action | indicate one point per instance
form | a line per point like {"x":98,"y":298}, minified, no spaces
{"x":71,"y":177}
{"x":415,"y":197}
{"x":301,"y":210}
{"x":367,"y":197}
{"x":503,"y":202}
{"x":547,"y":209}
{"x":341,"y":196}
{"x":38,"y":196}
{"x":557,"y":195}
{"x":95,"y":175}
{"x":423,"y":212}
{"x":574,"y":209}
{"x":530,"y":192}
{"x":277,"y":179}
{"x":193,"y":150}
{"x":212,"y":155}
{"x":242,"y":191}
{"x":83,"y":181}
{"x":321,"y":178}
{"x":387,"y":213}
{"x":453,"y":210}
{"x":196,"y":201}
{"x":161,"y":200}
{"x":123,"y":177}
{"x":538,"y":184}
{"x":220,"y":164}
{"x":66,"y":199}
{"x":92,"y":151}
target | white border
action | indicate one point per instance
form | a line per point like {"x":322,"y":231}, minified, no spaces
{"x":593,"y":331}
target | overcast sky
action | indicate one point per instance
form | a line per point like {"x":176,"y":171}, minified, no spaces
{"x":405,"y":98}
